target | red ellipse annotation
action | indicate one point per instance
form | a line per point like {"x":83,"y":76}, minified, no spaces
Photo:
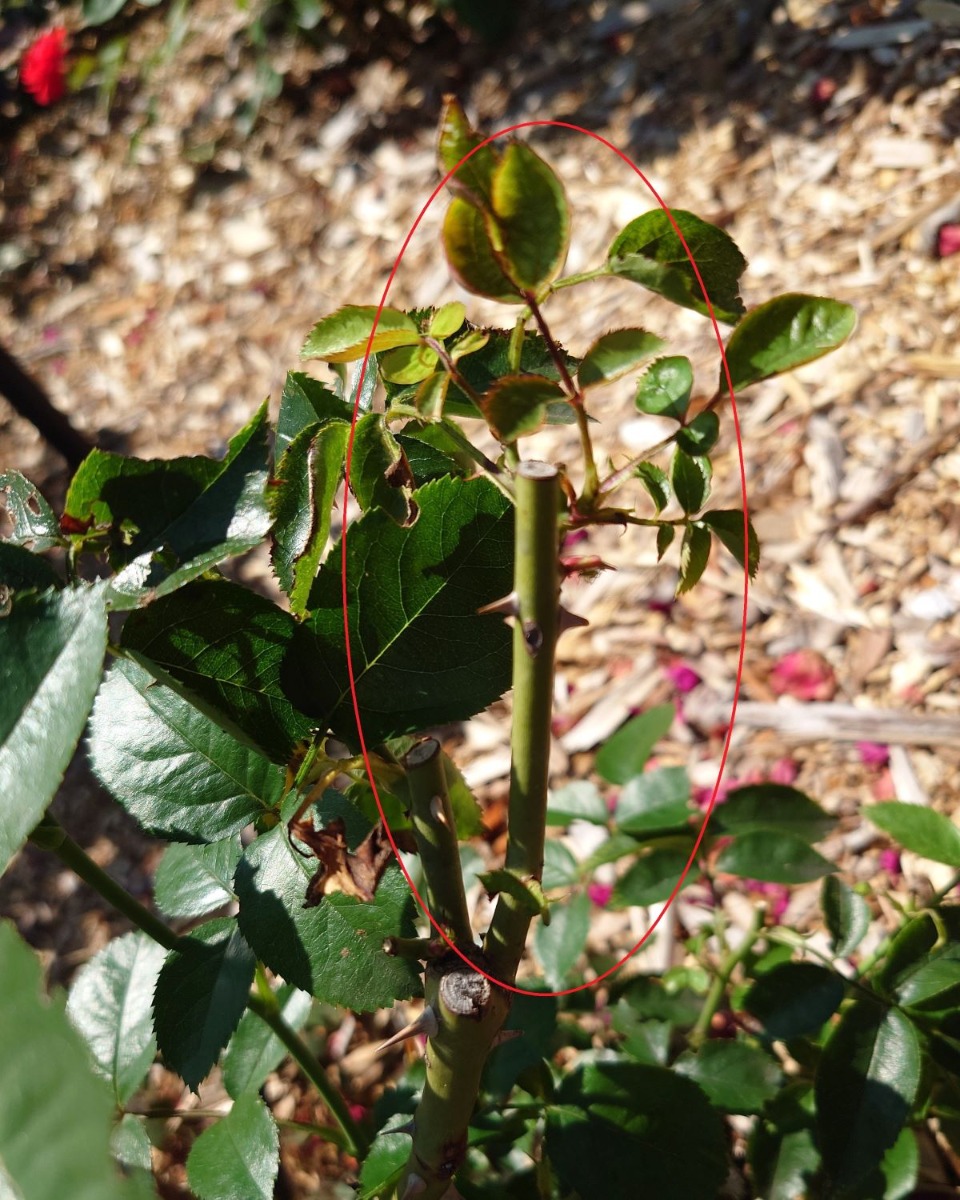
{"x":746,"y":573}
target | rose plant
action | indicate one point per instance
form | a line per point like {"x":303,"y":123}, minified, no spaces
{"x":263,"y":742}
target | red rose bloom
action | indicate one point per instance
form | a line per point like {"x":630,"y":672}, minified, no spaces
{"x":43,"y":70}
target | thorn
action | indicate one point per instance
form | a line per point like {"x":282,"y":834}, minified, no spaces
{"x":569,"y":620}
{"x":506,"y":606}
{"x":505,"y":1035}
{"x":588,"y":565}
{"x":409,"y":1127}
{"x":425,"y":1024}
{"x":436,"y":811}
{"x":416,"y":1186}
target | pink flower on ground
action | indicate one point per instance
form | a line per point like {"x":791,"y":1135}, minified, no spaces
{"x":683,"y":678}
{"x":948,"y":240}
{"x":43,"y":69}
{"x":890,"y":862}
{"x":701,"y":795}
{"x":785,"y":771}
{"x":357,"y":1111}
{"x":872,"y":754}
{"x":883,"y":786}
{"x":804,"y":674}
{"x":600,"y":893}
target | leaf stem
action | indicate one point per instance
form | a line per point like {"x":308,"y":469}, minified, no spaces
{"x":309,"y":1065}
{"x":718,"y":987}
{"x":50,"y":835}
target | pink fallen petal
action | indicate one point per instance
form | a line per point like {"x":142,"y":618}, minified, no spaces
{"x":600,"y":893}
{"x":948,"y":240}
{"x":784,"y":771}
{"x":890,"y":862}
{"x":883,"y":787}
{"x":683,"y":678}
{"x":873,"y":754}
{"x":804,"y":674}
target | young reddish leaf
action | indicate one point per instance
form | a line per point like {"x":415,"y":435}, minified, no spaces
{"x":474,"y":179}
{"x":530,"y":225}
{"x":343,"y":336}
{"x":517,"y":405}
{"x":616,"y":354}
{"x":785,"y":333}
{"x":694,"y":555}
{"x":649,"y":252}
{"x":654,"y":480}
{"x":664,"y":388}
{"x":470,"y":254}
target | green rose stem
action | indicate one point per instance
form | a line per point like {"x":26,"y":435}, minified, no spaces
{"x":468,"y":1009}
{"x":435,"y":831}
{"x":536,"y":628}
{"x":50,"y":835}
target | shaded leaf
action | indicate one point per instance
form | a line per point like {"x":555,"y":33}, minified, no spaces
{"x":665,"y":536}
{"x":301,"y":501}
{"x":33,"y":520}
{"x":727,"y":524}
{"x":421,"y":654}
{"x":652,"y":877}
{"x":783,"y":1163}
{"x":379,"y":473}
{"x":22,"y":571}
{"x":646,"y":1041}
{"x":616,"y":354}
{"x":782,"y":334}
{"x":345,"y":334}
{"x":200,"y":995}
{"x":53,"y":1091}
{"x":111,"y":1006}
{"x":773,"y":858}
{"x":491,"y":362}
{"x":736,"y":1077}
{"x":237,"y":1156}
{"x":694,"y":554}
{"x":335,"y":950}
{"x":560,"y":944}
{"x":654,"y":480}
{"x":690,"y":479}
{"x":846,"y":913}
{"x":255,"y":1050}
{"x":866,"y":1082}
{"x":170,"y":766}
{"x":700,"y":435}
{"x":664,"y":388}
{"x":655,"y":801}
{"x":471,"y":257}
{"x":192,"y":880}
{"x":794,"y":999}
{"x":306,"y":401}
{"x":919,"y":829}
{"x":51,"y":656}
{"x":578,"y":800}
{"x":773,"y":807}
{"x":625,"y":754}
{"x":228,"y":651}
{"x":649,"y":252}
{"x":536,"y":1016}
{"x":385,"y":1163}
{"x":517,"y":405}
{"x":611,"y":1113}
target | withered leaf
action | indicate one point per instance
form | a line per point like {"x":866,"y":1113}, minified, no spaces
{"x":352,"y":872}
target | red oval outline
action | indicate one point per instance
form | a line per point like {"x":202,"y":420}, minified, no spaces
{"x":343,"y":558}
